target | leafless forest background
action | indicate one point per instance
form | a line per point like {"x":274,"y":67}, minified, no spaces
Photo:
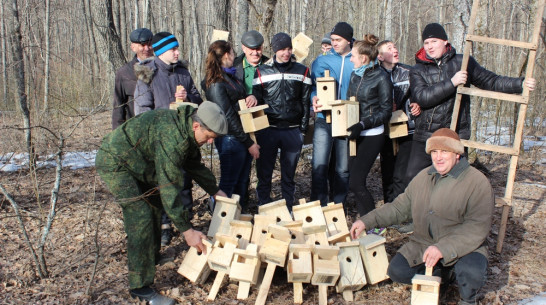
{"x":58,"y":59}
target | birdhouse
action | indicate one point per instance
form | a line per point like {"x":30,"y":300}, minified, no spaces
{"x":299,"y":268}
{"x":226,"y":210}
{"x":194,"y":267}
{"x":352,"y":276}
{"x":344,"y":115}
{"x":398,"y":125}
{"x":317,"y":239}
{"x":311,"y":215}
{"x":278,"y":209}
{"x":301,"y":45}
{"x":245,"y":268}
{"x":220,"y":260}
{"x":253,"y":119}
{"x":296,"y":231}
{"x":275,"y":246}
{"x":339,"y":238}
{"x":374,"y":257}
{"x":326,"y":268}
{"x":326,"y":90}
{"x":425,"y":288}
{"x":242,"y":230}
{"x":219,"y":35}
{"x":335,"y":218}
{"x":259,"y":231}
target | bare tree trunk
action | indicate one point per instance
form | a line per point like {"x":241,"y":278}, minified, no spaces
{"x":292,"y":17}
{"x":241,"y":21}
{"x":460,"y":22}
{"x":137,"y":16}
{"x":179,"y":21}
{"x":303,"y":15}
{"x":19,"y":70}
{"x":4,"y":52}
{"x":95,"y":68}
{"x":47,"y":48}
{"x":388,"y":19}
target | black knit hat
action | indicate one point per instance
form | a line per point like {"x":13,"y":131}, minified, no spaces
{"x":344,"y":30}
{"x":281,"y":41}
{"x":162,"y":42}
{"x":434,"y":30}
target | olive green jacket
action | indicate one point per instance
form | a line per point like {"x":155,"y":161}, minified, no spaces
{"x":452,"y":212}
{"x":153,"y":147}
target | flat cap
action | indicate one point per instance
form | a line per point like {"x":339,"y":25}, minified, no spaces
{"x":213,"y":117}
{"x":327,"y":39}
{"x":252,"y":39}
{"x":141,"y":35}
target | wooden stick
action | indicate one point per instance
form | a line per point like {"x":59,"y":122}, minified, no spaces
{"x":298,"y":292}
{"x":266,"y":283}
{"x":216,"y":285}
{"x":428,"y":271}
{"x":352,"y":148}
{"x":323,"y":294}
{"x":348,"y":295}
{"x":179,"y":89}
{"x":244,"y":288}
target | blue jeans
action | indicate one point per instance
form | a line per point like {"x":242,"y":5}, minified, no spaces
{"x":470,"y":273}
{"x":235,"y":163}
{"x":289,"y":141}
{"x":322,"y":148}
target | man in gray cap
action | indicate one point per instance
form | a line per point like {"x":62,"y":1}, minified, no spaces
{"x":140,"y":163}
{"x":326,"y":44}
{"x":247,"y":63}
{"x":124,"y":87}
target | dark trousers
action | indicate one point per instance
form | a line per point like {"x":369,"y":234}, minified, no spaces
{"x":289,"y":141}
{"x":470,"y":272}
{"x":418,"y":161}
{"x":394,"y":167}
{"x":235,"y":164}
{"x":368,"y":148}
{"x":187,"y":200}
{"x":323,"y":147}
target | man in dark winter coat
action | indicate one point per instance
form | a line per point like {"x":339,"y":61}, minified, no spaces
{"x":433,"y":84}
{"x":158,"y":78}
{"x":247,"y":63}
{"x":140,"y":163}
{"x":124,"y":87}
{"x":451,"y":204}
{"x":285,"y":86}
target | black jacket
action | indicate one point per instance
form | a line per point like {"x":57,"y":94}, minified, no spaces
{"x":238,"y":64}
{"x":432,"y":89}
{"x":374,"y":93}
{"x":124,"y":87}
{"x":227,"y":95}
{"x":286,"y":90}
{"x":401,"y":93}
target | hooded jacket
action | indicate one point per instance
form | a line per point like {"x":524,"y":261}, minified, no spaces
{"x":373,"y":91}
{"x":156,"y":84}
{"x":286,"y":90}
{"x":432,"y":89}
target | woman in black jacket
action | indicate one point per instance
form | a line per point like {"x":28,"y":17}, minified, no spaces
{"x":372,"y":88}
{"x":236,"y":149}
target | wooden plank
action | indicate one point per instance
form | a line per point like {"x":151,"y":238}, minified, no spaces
{"x":490,"y":147}
{"x":516,"y":98}
{"x":266,"y":283}
{"x":216,"y":285}
{"x":502,"y":42}
{"x":242,"y":292}
{"x":252,"y":109}
{"x":298,"y":293}
{"x":323,"y":294}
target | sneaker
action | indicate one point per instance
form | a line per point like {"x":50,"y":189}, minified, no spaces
{"x":166,"y":236}
{"x":406,"y":228}
{"x":211,"y":204}
{"x":151,"y":296}
{"x":377,"y":231}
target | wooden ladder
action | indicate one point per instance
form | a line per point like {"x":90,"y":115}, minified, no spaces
{"x":522,"y":99}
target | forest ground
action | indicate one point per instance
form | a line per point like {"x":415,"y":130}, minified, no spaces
{"x":88,"y":234}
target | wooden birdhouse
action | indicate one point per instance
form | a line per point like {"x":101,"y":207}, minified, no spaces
{"x":253,"y":119}
{"x":374,"y":257}
{"x":226,"y":210}
{"x":425,"y":288}
{"x":398,"y":125}
{"x":278,"y":209}
{"x":219,"y":35}
{"x":352,"y":276}
{"x":344,"y":115}
{"x":326,"y":90}
{"x":301,"y":45}
{"x":339,"y":238}
{"x":299,"y":268}
{"x":179,"y":102}
{"x":242,"y":230}
{"x":326,"y":270}
{"x":259,"y":231}
{"x":245,"y":268}
{"x":335,"y":218}
{"x":220,"y":260}
{"x":311,"y":215}
{"x":296,"y":231}
{"x":194,"y":267}
{"x":317,"y":239}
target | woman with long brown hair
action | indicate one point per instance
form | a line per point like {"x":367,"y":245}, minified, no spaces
{"x":236,"y":149}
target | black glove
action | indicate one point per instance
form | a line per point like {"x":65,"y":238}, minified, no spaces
{"x":355,"y":130}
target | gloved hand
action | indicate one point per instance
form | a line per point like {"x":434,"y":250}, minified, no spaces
{"x":355,"y":130}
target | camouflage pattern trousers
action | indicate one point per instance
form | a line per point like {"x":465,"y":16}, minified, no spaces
{"x":142,"y":210}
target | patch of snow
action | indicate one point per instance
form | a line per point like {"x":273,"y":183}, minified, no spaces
{"x":536,"y":300}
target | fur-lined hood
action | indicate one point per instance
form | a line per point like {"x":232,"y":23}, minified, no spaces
{"x":145,"y":70}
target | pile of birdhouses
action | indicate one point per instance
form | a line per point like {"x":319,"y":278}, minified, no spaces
{"x":313,"y":245}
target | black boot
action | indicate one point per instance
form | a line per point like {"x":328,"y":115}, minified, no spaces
{"x":151,"y":296}
{"x":166,"y":235}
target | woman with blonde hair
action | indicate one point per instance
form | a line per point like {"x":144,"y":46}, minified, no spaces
{"x":372,"y":88}
{"x":236,"y":149}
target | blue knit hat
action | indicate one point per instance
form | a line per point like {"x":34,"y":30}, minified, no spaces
{"x":162,"y":42}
